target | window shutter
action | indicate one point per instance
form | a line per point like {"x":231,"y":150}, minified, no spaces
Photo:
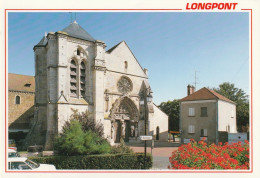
{"x":191,"y":111}
{"x":191,"y":129}
{"x":205,"y":132}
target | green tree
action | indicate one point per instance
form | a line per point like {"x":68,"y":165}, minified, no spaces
{"x":240,"y":98}
{"x":87,"y":122}
{"x":74,"y":141}
{"x":171,"y":108}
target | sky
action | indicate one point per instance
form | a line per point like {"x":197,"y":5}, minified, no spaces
{"x":171,"y":45}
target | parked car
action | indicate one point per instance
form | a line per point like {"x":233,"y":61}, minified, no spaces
{"x":12,"y":153}
{"x":12,"y":144}
{"x":22,"y":163}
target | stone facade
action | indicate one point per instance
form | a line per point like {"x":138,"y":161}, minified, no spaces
{"x":20,"y":113}
{"x":20,"y":105}
{"x":74,"y":71}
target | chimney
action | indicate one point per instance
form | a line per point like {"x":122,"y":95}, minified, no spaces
{"x":190,"y":89}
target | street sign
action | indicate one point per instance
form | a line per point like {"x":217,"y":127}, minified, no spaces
{"x":145,"y":137}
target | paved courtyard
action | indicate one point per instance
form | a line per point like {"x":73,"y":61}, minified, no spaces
{"x":161,"y":153}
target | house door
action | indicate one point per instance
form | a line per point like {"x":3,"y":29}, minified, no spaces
{"x":157,"y":132}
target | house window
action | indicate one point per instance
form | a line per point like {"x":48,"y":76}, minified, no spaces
{"x":73,"y":79}
{"x":191,"y":111}
{"x":204,"y":133}
{"x":82,"y":79}
{"x":204,"y":112}
{"x":17,"y":100}
{"x":191,"y":129}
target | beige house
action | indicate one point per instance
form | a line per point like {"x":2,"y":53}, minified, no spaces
{"x":75,"y":71}
{"x":20,"y":105}
{"x":204,"y":114}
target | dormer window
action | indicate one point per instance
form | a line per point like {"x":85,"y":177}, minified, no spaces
{"x":27,"y":85}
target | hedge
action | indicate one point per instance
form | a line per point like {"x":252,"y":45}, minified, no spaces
{"x":106,"y":161}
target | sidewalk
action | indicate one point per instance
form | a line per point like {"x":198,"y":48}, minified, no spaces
{"x":160,"y":155}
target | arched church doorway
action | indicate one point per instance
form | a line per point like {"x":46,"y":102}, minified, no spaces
{"x":124,"y":120}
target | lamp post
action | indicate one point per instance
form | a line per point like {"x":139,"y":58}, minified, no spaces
{"x":146,"y":97}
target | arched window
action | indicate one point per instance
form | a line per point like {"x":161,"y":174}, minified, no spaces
{"x":17,"y":100}
{"x":126,"y":65}
{"x":73,"y":79}
{"x":82,"y":79}
{"x":78,"y":52}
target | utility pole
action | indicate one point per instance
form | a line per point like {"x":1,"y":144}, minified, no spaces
{"x":195,"y":83}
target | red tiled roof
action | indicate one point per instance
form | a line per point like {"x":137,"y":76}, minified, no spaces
{"x":17,"y":82}
{"x":205,"y":94}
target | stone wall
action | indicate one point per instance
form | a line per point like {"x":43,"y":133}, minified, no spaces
{"x":20,"y":113}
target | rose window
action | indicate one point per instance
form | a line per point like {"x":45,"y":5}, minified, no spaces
{"x":124,"y":85}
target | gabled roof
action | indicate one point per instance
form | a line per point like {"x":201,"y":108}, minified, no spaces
{"x":17,"y":82}
{"x":114,"y":47}
{"x":205,"y":94}
{"x":76,"y":31}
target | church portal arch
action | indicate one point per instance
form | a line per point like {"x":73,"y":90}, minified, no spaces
{"x":124,"y":120}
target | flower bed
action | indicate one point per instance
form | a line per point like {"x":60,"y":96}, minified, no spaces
{"x":199,"y":155}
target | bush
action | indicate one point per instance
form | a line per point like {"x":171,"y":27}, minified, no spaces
{"x":202,"y":156}
{"x":108,"y":161}
{"x":87,"y":122}
{"x":121,"y":148}
{"x":74,"y":141}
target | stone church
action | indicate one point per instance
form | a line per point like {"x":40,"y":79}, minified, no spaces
{"x":75,"y":71}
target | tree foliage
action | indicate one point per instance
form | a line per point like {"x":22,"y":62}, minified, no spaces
{"x":121,"y":148}
{"x":240,"y":98}
{"x":171,"y":108}
{"x":81,"y":135}
{"x":87,"y":122}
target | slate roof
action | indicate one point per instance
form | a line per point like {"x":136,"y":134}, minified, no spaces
{"x":76,"y":31}
{"x":114,"y":47}
{"x":73,"y":30}
{"x":17,"y":82}
{"x":205,"y":94}
{"x":43,"y":41}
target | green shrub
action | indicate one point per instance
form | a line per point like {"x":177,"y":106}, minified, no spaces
{"x":74,"y":141}
{"x":121,"y":148}
{"x":87,"y":121}
{"x":106,"y":161}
